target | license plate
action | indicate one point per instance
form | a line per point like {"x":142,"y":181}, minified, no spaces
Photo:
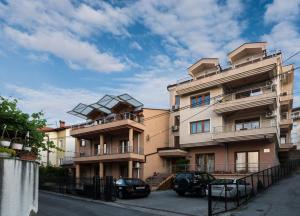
{"x":175,"y":186}
{"x":139,"y":188}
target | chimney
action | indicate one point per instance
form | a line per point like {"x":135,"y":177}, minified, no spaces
{"x":62,"y":124}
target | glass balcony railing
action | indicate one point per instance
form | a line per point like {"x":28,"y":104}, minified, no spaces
{"x":108,"y":119}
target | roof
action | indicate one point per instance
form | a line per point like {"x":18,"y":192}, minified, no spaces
{"x":105,"y":105}
{"x":49,"y":129}
{"x":296,"y":109}
{"x":247,"y":43}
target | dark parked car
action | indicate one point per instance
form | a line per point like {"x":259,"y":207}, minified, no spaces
{"x":192,"y":182}
{"x":132,"y":187}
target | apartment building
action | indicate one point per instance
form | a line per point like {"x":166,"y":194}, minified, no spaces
{"x":234,"y":119}
{"x":61,"y":138}
{"x":119,"y":138}
{"x":296,"y":127}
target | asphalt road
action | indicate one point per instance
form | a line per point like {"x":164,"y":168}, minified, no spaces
{"x":282,"y":199}
{"x":56,"y":205}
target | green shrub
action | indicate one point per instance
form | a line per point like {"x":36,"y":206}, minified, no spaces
{"x":8,"y":150}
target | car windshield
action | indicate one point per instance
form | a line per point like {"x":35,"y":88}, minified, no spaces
{"x":134,"y":181}
{"x":184,"y":175}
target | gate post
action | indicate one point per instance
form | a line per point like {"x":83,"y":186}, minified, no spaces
{"x":209,"y":200}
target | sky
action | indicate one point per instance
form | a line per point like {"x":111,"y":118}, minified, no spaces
{"x":57,"y":53}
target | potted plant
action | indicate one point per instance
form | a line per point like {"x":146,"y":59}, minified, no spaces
{"x":17,"y":142}
{"x":5,"y":142}
{"x":27,"y":147}
{"x":26,"y":155}
{"x":7,"y":152}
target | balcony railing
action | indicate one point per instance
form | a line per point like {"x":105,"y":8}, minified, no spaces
{"x":112,"y":151}
{"x":248,"y":93}
{"x":270,"y":54}
{"x":108,"y":119}
{"x":66,"y":160}
{"x":231,"y":128}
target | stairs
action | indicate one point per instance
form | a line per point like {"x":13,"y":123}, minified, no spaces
{"x":160,"y":181}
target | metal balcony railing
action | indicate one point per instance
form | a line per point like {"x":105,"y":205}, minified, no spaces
{"x":248,"y":93}
{"x":111,"y":151}
{"x":250,"y":126}
{"x":66,"y":160}
{"x":108,"y":119}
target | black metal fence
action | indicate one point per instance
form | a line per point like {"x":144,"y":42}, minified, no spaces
{"x":95,"y":188}
{"x":227,"y":195}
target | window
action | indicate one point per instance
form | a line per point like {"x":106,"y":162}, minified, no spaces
{"x":205,"y":162}
{"x":248,"y":93}
{"x":247,"y":124}
{"x":177,"y":120}
{"x":177,"y":100}
{"x":247,"y":162}
{"x":200,"y":100}
{"x":176,"y":142}
{"x":200,"y":126}
{"x":123,"y":147}
{"x":283,"y":139}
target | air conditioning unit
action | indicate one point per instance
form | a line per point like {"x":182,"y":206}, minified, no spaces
{"x":175,"y":128}
{"x":175,"y":107}
{"x":270,"y":114}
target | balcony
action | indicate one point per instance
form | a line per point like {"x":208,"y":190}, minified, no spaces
{"x":109,"y":123}
{"x":287,"y":147}
{"x":263,"y":66}
{"x":251,"y":98}
{"x":286,"y":121}
{"x":286,"y":99}
{"x":112,"y":154}
{"x":266,"y":130}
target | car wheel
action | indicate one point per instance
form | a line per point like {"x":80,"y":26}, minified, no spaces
{"x":121,"y":195}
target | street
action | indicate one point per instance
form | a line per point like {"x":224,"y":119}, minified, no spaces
{"x":57,"y":205}
{"x":279,"y":200}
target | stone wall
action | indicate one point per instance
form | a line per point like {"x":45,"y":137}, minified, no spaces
{"x":18,"y":187}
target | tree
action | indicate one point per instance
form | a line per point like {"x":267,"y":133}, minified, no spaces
{"x":23,"y":123}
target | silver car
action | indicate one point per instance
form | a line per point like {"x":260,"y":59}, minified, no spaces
{"x":232,"y":186}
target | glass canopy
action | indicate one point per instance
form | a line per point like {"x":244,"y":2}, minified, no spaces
{"x":105,"y":105}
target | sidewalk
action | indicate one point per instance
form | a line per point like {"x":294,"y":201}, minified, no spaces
{"x":279,"y":200}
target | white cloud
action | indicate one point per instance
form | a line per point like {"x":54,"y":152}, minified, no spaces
{"x":136,"y":45}
{"x":279,"y":11}
{"x":193,"y":28}
{"x":62,"y":28}
{"x":68,"y":48}
{"x":55,"y":102}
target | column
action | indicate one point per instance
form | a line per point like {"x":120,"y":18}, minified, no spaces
{"x":101,"y":169}
{"x":130,"y":145}
{"x":130,"y":165}
{"x":101,"y":143}
{"x":77,"y":147}
{"x":77,"y":167}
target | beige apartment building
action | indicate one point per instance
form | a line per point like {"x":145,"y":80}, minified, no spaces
{"x":61,"y":138}
{"x":119,"y":138}
{"x":234,"y":119}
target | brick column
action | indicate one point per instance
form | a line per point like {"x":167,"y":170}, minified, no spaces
{"x":77,"y":147}
{"x":130,"y":165}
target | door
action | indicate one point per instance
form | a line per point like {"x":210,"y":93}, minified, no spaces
{"x":247,"y":161}
{"x":205,"y":162}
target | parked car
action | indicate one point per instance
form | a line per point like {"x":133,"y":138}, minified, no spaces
{"x":232,"y":186}
{"x":192,"y":182}
{"x":132,"y":187}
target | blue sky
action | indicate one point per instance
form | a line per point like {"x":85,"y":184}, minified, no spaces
{"x":54,"y":54}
